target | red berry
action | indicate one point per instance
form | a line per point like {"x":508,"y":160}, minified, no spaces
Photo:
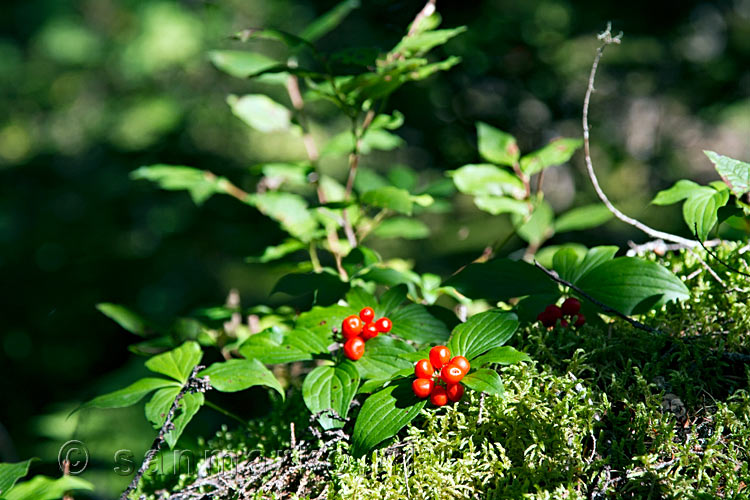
{"x":581,"y":320}
{"x":462,"y":363}
{"x":384,"y":325}
{"x":564,"y":323}
{"x":422,"y":387}
{"x":438,"y":396}
{"x":354,"y":348}
{"x":439,"y":356}
{"x":352,"y":327}
{"x":369,"y":331}
{"x":546,"y":319}
{"x":451,"y":374}
{"x":454,"y":392}
{"x":571,"y":306}
{"x":367,"y":314}
{"x":423,"y":369}
{"x":553,"y":313}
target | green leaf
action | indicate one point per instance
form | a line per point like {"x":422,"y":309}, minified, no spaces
{"x":241,"y":63}
{"x":389,"y":197}
{"x":160,"y":404}
{"x":497,"y":205}
{"x":584,"y":217}
{"x":45,"y":488}
{"x":201,"y":185}
{"x":383,"y":415}
{"x":292,"y":41}
{"x":537,"y":228}
{"x":701,"y":205}
{"x":565,"y":262}
{"x":497,"y":146}
{"x":500,"y":280}
{"x":124,"y":317}
{"x":240,"y":374}
{"x":374,"y":139}
{"x":681,"y":190}
{"x":626,"y":282}
{"x":484,"y":380}
{"x":403,"y":177}
{"x":485,"y":179}
{"x":177,"y":363}
{"x":421,"y":43}
{"x":261,"y":112}
{"x":381,"y":359}
{"x":402,"y":227}
{"x":277,"y":252}
{"x":594,"y":257}
{"x":130,"y":395}
{"x":270,"y":347}
{"x":390,"y":300}
{"x":357,"y":298}
{"x":414,"y":322}
{"x":556,"y":152}
{"x":331,"y":388}
{"x":735,"y":173}
{"x":504,"y":355}
{"x":328,"y":21}
{"x":12,"y":472}
{"x":701,"y":210}
{"x":290,"y":210}
{"x":325,"y":288}
{"x":482,"y":332}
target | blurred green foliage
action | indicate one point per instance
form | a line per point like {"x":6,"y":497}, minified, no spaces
{"x":92,"y":89}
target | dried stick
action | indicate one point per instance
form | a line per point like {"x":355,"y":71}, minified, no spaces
{"x":608,"y":39}
{"x":193,"y":384}
{"x":602,"y":306}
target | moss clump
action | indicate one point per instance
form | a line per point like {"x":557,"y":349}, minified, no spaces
{"x":605,"y":411}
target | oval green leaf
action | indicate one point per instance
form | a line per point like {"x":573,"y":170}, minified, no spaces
{"x":482,"y":332}
{"x":331,"y":388}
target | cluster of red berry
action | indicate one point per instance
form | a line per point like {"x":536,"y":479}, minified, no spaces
{"x":566,"y":314}
{"x":440,"y":368}
{"x":358,"y":329}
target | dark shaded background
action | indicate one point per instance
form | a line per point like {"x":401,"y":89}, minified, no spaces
{"x":90,"y":90}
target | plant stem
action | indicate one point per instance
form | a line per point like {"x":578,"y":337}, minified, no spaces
{"x":226,"y":413}
{"x":314,"y":257}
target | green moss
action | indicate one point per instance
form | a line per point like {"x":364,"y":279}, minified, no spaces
{"x":605,"y":411}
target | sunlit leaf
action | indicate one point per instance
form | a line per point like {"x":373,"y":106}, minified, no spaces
{"x":241,"y":63}
{"x":177,"y":363}
{"x":485,"y":179}
{"x":482,"y":332}
{"x":556,"y":152}
{"x":12,"y":472}
{"x":734,"y":172}
{"x":240,"y":374}
{"x":389,"y":197}
{"x":497,"y":146}
{"x":328,"y":21}
{"x":201,"y":185}
{"x":402,"y":227}
{"x":124,"y":317}
{"x":484,"y":380}
{"x":504,"y":355}
{"x":260,"y":112}
{"x":331,"y":388}
{"x":45,"y":488}
{"x":131,"y":394}
{"x":383,"y":415}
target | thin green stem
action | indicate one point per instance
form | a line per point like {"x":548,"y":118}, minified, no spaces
{"x":226,"y":413}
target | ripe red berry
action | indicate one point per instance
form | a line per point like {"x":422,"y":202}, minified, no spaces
{"x":454,"y":392}
{"x":423,"y":369}
{"x":571,"y":306}
{"x":451,"y":374}
{"x":352,"y":327}
{"x":369,"y":331}
{"x":564,"y":323}
{"x":438,"y":396}
{"x":367,"y":314}
{"x":581,"y":320}
{"x":422,"y":387}
{"x":546,"y":319}
{"x":553,"y":313}
{"x":384,"y":325}
{"x":354,"y":348}
{"x":462,"y":363}
{"x":439,"y":356}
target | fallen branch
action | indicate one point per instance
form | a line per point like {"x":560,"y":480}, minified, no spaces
{"x":602,"y":306}
{"x":608,"y":39}
{"x":193,"y":384}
